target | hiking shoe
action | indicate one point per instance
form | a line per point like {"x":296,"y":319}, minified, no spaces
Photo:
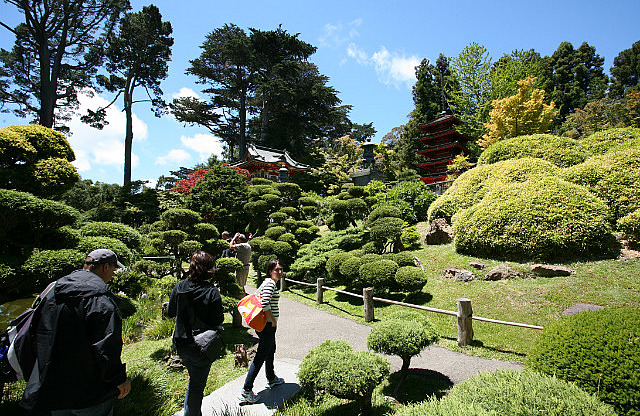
{"x":247,"y":396}
{"x":275,"y":382}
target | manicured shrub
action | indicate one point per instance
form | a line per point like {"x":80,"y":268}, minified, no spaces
{"x":548,"y":219}
{"x":561,"y":151}
{"x":43,"y":267}
{"x":412,"y":198}
{"x":612,"y":140}
{"x":126,"y":305}
{"x":278,"y":217}
{"x":289,"y":211}
{"x":613,"y":177}
{"x":287,"y":238}
{"x":404,"y":258}
{"x":411,"y":278}
{"x":151,"y":268}
{"x":228,"y":265}
{"x":130,"y":282}
{"x":289,"y":224}
{"x":215,"y":247}
{"x":263,"y":261}
{"x":472,"y":185}
{"x":630,"y":226}
{"x":304,"y":235}
{"x":372,"y":247}
{"x":333,"y":264}
{"x":350,"y":270}
{"x":410,"y":238}
{"x":371,"y":257}
{"x":180,"y":218}
{"x":444,"y":407}
{"x":187,"y":248}
{"x":383,"y":211}
{"x":402,"y":335}
{"x":275,"y":232}
{"x":316,"y":361}
{"x":378,"y":274}
{"x":282,"y":250}
{"x":597,"y":350}
{"x":387,"y":231}
{"x":122,"y":232}
{"x":88,"y":244}
{"x":63,"y":237}
{"x":205,"y":231}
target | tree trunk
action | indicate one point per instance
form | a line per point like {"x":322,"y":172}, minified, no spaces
{"x":242,"y":145}
{"x":128,"y":138}
{"x":404,"y":372}
{"x":47,"y":89}
{"x":365,"y":405}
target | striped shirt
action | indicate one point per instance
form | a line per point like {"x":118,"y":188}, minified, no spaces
{"x":270,"y":296}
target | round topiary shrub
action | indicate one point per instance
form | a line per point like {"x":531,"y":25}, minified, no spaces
{"x":228,"y":265}
{"x":316,"y":361}
{"x":411,"y":278}
{"x":289,"y":211}
{"x":129,"y":282}
{"x":63,"y":237}
{"x":88,"y":244}
{"x":384,"y":211}
{"x":180,"y":218}
{"x":350,"y":270}
{"x":613,"y":177}
{"x":404,"y":258}
{"x":386,"y":229}
{"x":630,"y":226}
{"x":151,"y":268}
{"x":287,"y":238}
{"x":372,"y":247}
{"x":187,"y":248}
{"x":333,"y":265}
{"x":371,"y":257}
{"x":282,"y":249}
{"x":304,"y":235}
{"x":122,"y":232}
{"x":278,"y":217}
{"x":43,"y":267}
{"x":612,"y":140}
{"x":205,"y":231}
{"x":548,"y":219}
{"x":275,"y":232}
{"x":470,"y":187}
{"x":597,"y":350}
{"x":561,"y":151}
{"x":526,"y":393}
{"x":379,"y":274}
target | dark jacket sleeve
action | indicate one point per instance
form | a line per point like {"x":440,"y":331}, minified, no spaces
{"x":104,"y":331}
{"x":172,"y":309}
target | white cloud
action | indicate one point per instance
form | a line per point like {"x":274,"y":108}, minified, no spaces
{"x":391,"y":68}
{"x":185,"y":92}
{"x":175,"y":156}
{"x":334,"y":34}
{"x":102,"y":148}
{"x":204,"y":144}
{"x":358,"y":54}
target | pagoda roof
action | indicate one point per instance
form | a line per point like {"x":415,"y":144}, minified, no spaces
{"x":445,"y":118}
{"x":452,"y":132}
{"x":266,"y":155}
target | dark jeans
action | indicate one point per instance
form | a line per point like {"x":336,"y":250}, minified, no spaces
{"x":103,"y":409}
{"x":198,"y":367}
{"x":264,"y":355}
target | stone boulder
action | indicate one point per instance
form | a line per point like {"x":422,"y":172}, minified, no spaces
{"x":548,"y":270}
{"x":477,"y":265}
{"x":439,"y":232}
{"x":502,"y":272}
{"x":459,"y":275}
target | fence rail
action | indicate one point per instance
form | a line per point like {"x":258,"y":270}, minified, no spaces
{"x":464,"y":313}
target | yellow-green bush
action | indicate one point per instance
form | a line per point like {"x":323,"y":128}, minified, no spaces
{"x":630,"y":226}
{"x":612,"y":140}
{"x":560,"y":151}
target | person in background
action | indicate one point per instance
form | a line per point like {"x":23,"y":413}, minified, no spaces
{"x":83,"y":374}
{"x":243,"y":253}
{"x":197,"y":306}
{"x":270,"y":296}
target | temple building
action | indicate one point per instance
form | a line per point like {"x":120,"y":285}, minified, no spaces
{"x":263,"y":162}
{"x":440,"y":145}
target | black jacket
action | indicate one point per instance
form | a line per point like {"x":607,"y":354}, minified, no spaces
{"x":84,"y":368}
{"x":197,"y":306}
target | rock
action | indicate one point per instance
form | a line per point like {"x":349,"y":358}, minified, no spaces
{"x":626,"y":254}
{"x":460,"y":275}
{"x":548,"y":270}
{"x":502,"y":272}
{"x":439,"y":232}
{"x":477,"y":265}
{"x":581,"y":307}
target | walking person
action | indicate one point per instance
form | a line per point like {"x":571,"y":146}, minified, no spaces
{"x":197,"y":306}
{"x":79,"y":342}
{"x":270,"y":294}
{"x":243,"y":253}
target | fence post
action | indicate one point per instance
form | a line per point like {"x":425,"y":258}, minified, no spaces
{"x":465,"y":326}
{"x":236,"y":320}
{"x":367,"y":295}
{"x":283,"y":284}
{"x":319,"y":291}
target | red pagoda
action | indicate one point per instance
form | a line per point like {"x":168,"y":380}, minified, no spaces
{"x":440,"y":146}
{"x":263,"y":162}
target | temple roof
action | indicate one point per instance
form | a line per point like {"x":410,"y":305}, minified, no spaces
{"x":444,"y":118}
{"x":271,"y":156}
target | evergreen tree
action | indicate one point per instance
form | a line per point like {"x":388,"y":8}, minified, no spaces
{"x":625,"y":72}
{"x":511,"y":68}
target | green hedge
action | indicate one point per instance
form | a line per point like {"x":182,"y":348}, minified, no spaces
{"x":411,"y":278}
{"x":630,"y":226}
{"x":122,"y":232}
{"x":612,"y":140}
{"x":597,"y":350}
{"x":613,"y":177}
{"x":549,"y":219}
{"x":561,"y":151}
{"x":43,"y":267}
{"x":88,"y":244}
{"x":333,"y":264}
{"x":379,"y":274}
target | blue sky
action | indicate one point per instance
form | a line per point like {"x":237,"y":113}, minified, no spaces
{"x":368,"y":49}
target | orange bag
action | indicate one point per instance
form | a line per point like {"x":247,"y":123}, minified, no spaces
{"x":251,"y":310}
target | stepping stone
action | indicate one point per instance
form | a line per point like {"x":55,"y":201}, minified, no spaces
{"x":581,"y":307}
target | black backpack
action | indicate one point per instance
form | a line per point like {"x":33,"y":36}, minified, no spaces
{"x":18,"y":355}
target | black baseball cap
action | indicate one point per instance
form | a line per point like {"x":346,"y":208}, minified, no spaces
{"x":104,"y":255}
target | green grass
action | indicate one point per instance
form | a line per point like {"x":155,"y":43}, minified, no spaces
{"x":530,"y":300}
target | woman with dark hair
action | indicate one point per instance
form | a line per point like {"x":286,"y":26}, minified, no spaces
{"x":197,"y":306}
{"x":270,"y":296}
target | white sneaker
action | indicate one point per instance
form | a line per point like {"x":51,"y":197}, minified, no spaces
{"x":247,"y":396}
{"x":275,"y":382}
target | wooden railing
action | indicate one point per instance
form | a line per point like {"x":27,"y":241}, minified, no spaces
{"x":464,"y":313}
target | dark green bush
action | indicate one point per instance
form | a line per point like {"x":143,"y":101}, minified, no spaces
{"x":130,"y":282}
{"x":289,"y":211}
{"x":411,"y":278}
{"x":383,"y":211}
{"x":314,"y":363}
{"x":275,"y":232}
{"x":371,"y":257}
{"x":378,"y":274}
{"x":282,"y":250}
{"x":350,"y":242}
{"x":63,"y":237}
{"x":187,"y":248}
{"x":88,"y":244}
{"x":152,"y":268}
{"x":561,"y":151}
{"x":278,"y":217}
{"x":597,"y":350}
{"x":215,"y":247}
{"x":119,"y":231}
{"x":43,"y":267}
{"x":548,"y":219}
{"x":180,"y":218}
{"x":287,"y":238}
{"x":630,"y":226}
{"x":372,"y":247}
{"x":126,"y":305}
{"x":228,"y":265}
{"x":404,"y":258}
{"x":613,"y":177}
{"x":386,"y":230}
{"x":333,"y":264}
{"x":410,"y":237}
{"x":350,"y":270}
{"x":205,"y":231}
{"x":304,"y":235}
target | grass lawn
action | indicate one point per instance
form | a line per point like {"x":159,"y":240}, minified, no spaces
{"x":530,"y":300}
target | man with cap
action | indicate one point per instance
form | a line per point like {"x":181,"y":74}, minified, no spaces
{"x":80,"y":337}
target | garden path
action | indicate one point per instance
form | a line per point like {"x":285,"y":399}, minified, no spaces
{"x":302,"y":328}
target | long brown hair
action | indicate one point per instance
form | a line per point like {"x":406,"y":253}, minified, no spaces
{"x":202,"y":266}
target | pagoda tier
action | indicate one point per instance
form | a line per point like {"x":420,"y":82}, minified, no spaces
{"x":264,"y":162}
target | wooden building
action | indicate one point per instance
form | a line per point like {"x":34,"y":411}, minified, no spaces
{"x":263,"y":162}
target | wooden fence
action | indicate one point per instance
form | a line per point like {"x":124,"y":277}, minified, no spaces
{"x":464,"y":313}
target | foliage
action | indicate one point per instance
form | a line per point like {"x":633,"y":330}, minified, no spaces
{"x":151,"y":268}
{"x":378,"y":274}
{"x":124,"y":233}
{"x":383,"y":211}
{"x":219,"y":197}
{"x":546,"y":219}
{"x":630,"y":226}
{"x":132,"y":283}
{"x":350,"y":270}
{"x":625,"y":72}
{"x":386,"y":232}
{"x":416,"y":194}
{"x":180,"y":219}
{"x":334,"y":263}
{"x":43,"y":267}
{"x":507,"y":71}
{"x":613,"y":177}
{"x":57,"y":51}
{"x":36,"y":159}
{"x":561,"y":151}
{"x":341,"y":160}
{"x":597,"y":350}
{"x":605,"y":113}
{"x":88,"y":244}
{"x":435,"y":407}
{"x":411,"y":278}
{"x":517,"y":115}
{"x":472,"y":185}
{"x":611,"y":140}
{"x":316,"y":361}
